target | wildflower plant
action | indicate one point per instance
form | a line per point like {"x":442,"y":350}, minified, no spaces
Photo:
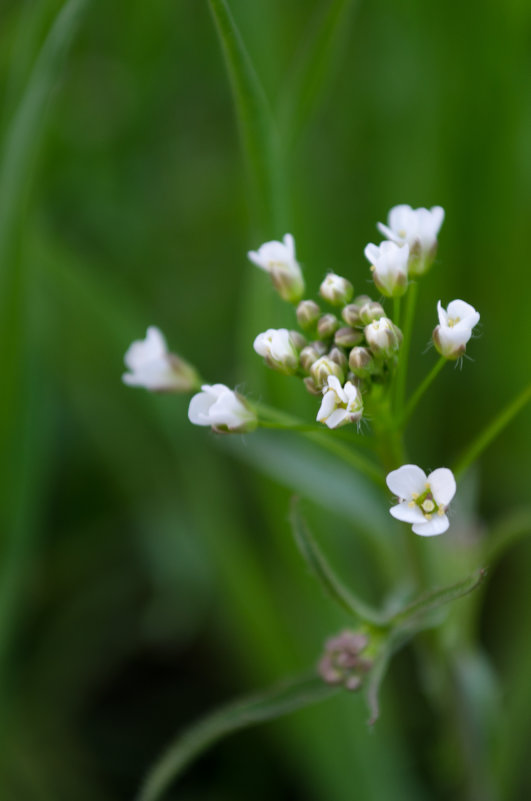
{"x":351,"y":351}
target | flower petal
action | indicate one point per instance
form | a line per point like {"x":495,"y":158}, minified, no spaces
{"x":443,"y":486}
{"x":337,"y":418}
{"x":406,"y":480}
{"x":430,"y":528}
{"x":407,"y":513}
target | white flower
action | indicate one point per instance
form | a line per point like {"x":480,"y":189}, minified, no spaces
{"x":278,"y":259}
{"x":455,"y":328}
{"x":152,"y":366}
{"x":340,"y":405}
{"x":418,"y":228}
{"x":389,"y":267}
{"x":336,"y":289}
{"x":383,"y":337}
{"x":422,"y":501}
{"x":278,"y":350}
{"x":222,"y":408}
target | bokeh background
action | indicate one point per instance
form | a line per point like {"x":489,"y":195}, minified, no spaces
{"x":147,"y":567}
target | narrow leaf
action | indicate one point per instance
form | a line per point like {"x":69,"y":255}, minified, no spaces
{"x":435,"y":599}
{"x":257,"y":126}
{"x":272,"y":704}
{"x":325,"y":575}
{"x":323,"y":43}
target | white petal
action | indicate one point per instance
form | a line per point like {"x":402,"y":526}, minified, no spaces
{"x":383,"y":229}
{"x":400,"y":218}
{"x":290,"y":244}
{"x":337,"y":418}
{"x":466,"y":313}
{"x":437,"y":525}
{"x":372,"y":253}
{"x":443,"y":487}
{"x":199,"y":408}
{"x":406,"y":480}
{"x":407,"y":513}
{"x":328,"y":404}
{"x":254,"y":256}
{"x":437,"y":214}
{"x":443,"y":316}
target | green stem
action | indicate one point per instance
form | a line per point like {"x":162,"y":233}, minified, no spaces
{"x":401,"y":375}
{"x":491,"y":431}
{"x":396,"y":311}
{"x":421,"y":389}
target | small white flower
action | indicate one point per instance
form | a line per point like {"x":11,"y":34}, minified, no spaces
{"x":422,"y":501}
{"x":455,"y":328}
{"x":152,"y":366}
{"x":389,"y":267}
{"x":336,"y":289}
{"x":417,"y":228}
{"x":340,"y":405}
{"x":383,"y":337}
{"x":278,"y":259}
{"x":222,"y":408}
{"x":278,"y":350}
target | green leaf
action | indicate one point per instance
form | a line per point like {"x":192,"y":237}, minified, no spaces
{"x":330,"y":583}
{"x":433,"y":600}
{"x":323,"y":42}
{"x":274,"y":703}
{"x":257,"y":126}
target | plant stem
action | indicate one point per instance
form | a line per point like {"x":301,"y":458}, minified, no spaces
{"x":491,"y":431}
{"x":396,"y":311}
{"x":401,"y":375}
{"x":421,"y":389}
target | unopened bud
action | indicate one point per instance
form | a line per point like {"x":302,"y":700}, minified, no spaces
{"x":371,"y":311}
{"x":383,"y":338}
{"x":310,"y":385}
{"x":361,"y":362}
{"x":327,"y":325}
{"x":343,"y":661}
{"x":278,"y":350}
{"x":351,"y":313}
{"x":336,"y":290}
{"x":338,"y":357}
{"x":347,"y":337}
{"x":322,"y":368}
{"x":308,"y":356}
{"x":297,"y":339}
{"x":278,"y":259}
{"x":308,"y":312}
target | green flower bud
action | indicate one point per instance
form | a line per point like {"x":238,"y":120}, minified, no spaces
{"x":383,"y":338}
{"x":338,"y":357}
{"x":336,"y":290}
{"x":308,"y":312}
{"x":327,"y":325}
{"x":322,"y":368}
{"x":361,"y":362}
{"x":347,"y":337}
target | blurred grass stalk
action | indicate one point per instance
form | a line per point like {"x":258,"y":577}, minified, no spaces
{"x":23,"y":407}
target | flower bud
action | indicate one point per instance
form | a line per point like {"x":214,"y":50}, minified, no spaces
{"x":347,"y":337}
{"x":337,"y":356}
{"x":278,"y":350}
{"x":308,"y":312}
{"x":153,"y":367}
{"x":343,"y":661}
{"x":362,"y":312}
{"x":383,"y":338}
{"x":308,"y":356}
{"x":336,"y":290}
{"x":389,"y":264}
{"x":278,"y":259}
{"x":297,"y":339}
{"x":309,"y":383}
{"x":361,"y":362}
{"x":223,"y":409}
{"x":327,"y":325}
{"x":455,"y":328}
{"x":324,"y":367}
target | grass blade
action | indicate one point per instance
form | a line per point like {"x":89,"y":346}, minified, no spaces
{"x":272,"y":704}
{"x":257,"y":126}
{"x":325,"y":575}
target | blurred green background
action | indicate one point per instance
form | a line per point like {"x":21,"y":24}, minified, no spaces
{"x":147,"y":574}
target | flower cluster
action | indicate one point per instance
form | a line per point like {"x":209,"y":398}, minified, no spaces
{"x":344,"y":661}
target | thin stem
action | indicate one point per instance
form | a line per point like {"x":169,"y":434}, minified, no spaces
{"x":396,"y":311}
{"x":491,"y":431}
{"x":421,"y":389}
{"x":401,"y":375}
